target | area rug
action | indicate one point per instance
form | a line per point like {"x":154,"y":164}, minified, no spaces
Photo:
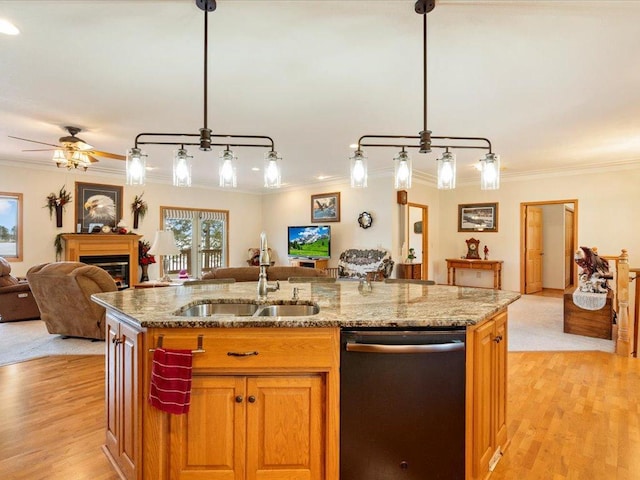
{"x":536,"y":323}
{"x":29,"y":339}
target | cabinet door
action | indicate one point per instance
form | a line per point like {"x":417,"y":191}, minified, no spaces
{"x":122,"y":436}
{"x":285,"y":419}
{"x":209,"y":441}
{"x":483,"y":391}
{"x":500,"y":371}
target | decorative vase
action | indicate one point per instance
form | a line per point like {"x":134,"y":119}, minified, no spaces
{"x":136,"y":217}
{"x":58,"y":216}
{"x":145,"y":273}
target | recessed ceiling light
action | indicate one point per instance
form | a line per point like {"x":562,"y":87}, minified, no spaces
{"x":353,"y":145}
{"x":255,"y":169}
{"x":8,"y":28}
{"x":322,"y":177}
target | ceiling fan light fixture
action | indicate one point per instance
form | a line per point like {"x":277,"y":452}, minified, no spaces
{"x":358,"y":169}
{"x":446,"y":166}
{"x":59,"y":158}
{"x":136,"y":167}
{"x":182,"y":168}
{"x":272,"y":174}
{"x":402,"y":171}
{"x":227,"y":170}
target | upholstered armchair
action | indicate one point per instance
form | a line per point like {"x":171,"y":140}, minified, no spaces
{"x":63,"y":292}
{"x":16,"y":299}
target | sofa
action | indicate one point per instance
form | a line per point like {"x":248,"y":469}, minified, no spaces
{"x":370,"y":263}
{"x":16,"y":298}
{"x":250,"y":274}
{"x":63,"y":292}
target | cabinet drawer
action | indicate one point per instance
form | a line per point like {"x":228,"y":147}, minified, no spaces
{"x":256,"y":349}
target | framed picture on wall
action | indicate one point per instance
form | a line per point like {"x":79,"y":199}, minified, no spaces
{"x":97,"y":204}
{"x":478,"y":217}
{"x":325,"y":207}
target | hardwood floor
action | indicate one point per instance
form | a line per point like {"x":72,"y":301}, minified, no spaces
{"x":572,"y":415}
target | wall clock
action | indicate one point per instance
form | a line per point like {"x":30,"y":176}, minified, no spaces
{"x":365,"y":220}
{"x":472,"y":249}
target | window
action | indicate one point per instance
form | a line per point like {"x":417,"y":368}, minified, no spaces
{"x":11,"y":226}
{"x":202,"y":237}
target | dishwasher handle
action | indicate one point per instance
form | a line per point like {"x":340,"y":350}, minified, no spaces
{"x":384,"y":348}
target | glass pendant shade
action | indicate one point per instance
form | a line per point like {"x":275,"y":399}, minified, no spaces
{"x":402,"y":171}
{"x":136,"y":167}
{"x":446,"y":171}
{"x":227,"y":171}
{"x":59,"y":158}
{"x":181,"y":168}
{"x":490,"y":173}
{"x":272,"y":170}
{"x":358,"y":169}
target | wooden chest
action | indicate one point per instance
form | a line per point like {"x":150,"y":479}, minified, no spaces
{"x":590,"y":323}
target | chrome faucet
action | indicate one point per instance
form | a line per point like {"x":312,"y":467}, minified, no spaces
{"x":263,"y":286}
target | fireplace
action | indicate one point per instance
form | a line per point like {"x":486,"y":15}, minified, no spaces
{"x":116,"y":253}
{"x":115,"y":265}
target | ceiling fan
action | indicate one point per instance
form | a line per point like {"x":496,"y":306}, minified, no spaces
{"x":72,"y":151}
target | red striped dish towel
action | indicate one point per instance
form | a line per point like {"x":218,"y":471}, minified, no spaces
{"x":171,"y":380}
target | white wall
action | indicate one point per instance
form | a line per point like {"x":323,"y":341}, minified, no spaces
{"x":607,"y":218}
{"x":282,"y":209}
{"x":39,"y":230}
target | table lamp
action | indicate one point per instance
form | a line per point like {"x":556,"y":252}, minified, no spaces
{"x":164,"y":244}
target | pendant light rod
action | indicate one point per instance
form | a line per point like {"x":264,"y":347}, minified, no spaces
{"x":424,"y":138}
{"x":207,"y":138}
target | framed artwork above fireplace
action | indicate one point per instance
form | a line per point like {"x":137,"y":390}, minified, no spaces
{"x":97,"y":204}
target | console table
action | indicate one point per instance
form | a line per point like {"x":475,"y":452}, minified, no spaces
{"x":494,"y":265}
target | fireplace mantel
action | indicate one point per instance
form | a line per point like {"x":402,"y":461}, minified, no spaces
{"x":77,"y":245}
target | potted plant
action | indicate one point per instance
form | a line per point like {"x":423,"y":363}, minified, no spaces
{"x":138,"y":209}
{"x":145,"y":259}
{"x":412,"y":255}
{"x":56,"y":202}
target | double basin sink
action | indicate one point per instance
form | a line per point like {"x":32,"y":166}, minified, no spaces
{"x":247,"y":309}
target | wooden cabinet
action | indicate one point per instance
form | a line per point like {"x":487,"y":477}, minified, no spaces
{"x":256,"y":427}
{"x":122,"y":399}
{"x":264,"y":405}
{"x":410,"y":270}
{"x":321,"y":264}
{"x":486,"y":395}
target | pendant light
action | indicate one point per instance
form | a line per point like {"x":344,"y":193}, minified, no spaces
{"x":446,"y":165}
{"x":206,"y":138}
{"x":136,"y":167}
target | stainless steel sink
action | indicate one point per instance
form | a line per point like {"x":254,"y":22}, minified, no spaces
{"x":287,"y":310}
{"x":209,"y":309}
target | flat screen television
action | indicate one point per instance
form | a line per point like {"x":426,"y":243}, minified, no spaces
{"x":312,"y":241}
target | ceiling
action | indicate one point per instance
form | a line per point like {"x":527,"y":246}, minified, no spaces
{"x":555,"y":85}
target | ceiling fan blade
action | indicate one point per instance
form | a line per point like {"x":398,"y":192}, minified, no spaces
{"x":39,"y":150}
{"x":115,"y":156}
{"x":35,"y":141}
{"x":93,"y":159}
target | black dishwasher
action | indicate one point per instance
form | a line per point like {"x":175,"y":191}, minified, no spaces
{"x":402,"y":404}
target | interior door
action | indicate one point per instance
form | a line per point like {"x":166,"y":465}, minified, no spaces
{"x":417,"y":234}
{"x":533,"y":249}
{"x":568,"y":247}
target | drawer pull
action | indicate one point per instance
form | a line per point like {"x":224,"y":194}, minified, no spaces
{"x":200,"y":348}
{"x":252,"y":399}
{"x":498,"y":339}
{"x":239,"y":399}
{"x":242,"y":354}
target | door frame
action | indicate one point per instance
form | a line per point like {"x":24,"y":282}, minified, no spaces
{"x":523,"y":211}
{"x":425,"y":236}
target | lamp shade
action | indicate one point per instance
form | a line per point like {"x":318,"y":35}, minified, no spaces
{"x":227,"y":170}
{"x":136,"y":166}
{"x":446,"y":171}
{"x":358,"y":169}
{"x":402,"y":171}
{"x":272,"y":170}
{"x":181,"y":168}
{"x":490,"y":174}
{"x":164,"y":243}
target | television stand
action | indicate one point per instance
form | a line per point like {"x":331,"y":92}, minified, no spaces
{"x":321,"y":264}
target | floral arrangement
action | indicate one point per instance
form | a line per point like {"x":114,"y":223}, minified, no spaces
{"x":144,"y":258}
{"x":57,"y":200}
{"x":139,"y":209}
{"x":412,"y":255}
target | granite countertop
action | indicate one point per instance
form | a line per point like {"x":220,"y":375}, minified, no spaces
{"x":342,"y":304}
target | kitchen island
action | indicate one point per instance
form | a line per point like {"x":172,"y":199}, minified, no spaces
{"x":265,"y":392}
